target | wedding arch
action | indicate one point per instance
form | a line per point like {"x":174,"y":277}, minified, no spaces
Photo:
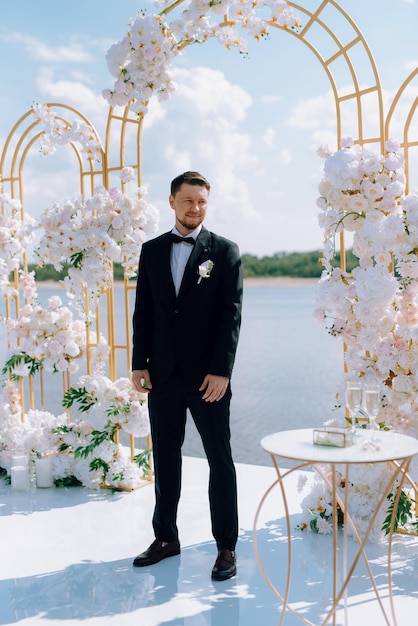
{"x":108,"y":224}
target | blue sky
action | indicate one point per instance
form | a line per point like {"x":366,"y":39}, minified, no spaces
{"x":252,"y":126}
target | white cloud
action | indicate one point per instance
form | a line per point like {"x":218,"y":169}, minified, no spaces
{"x":74,"y":93}
{"x":212,"y":95}
{"x":285,"y":156}
{"x":203,"y":130}
{"x":318,"y":115}
{"x":412,"y":65}
{"x":269,"y":137}
{"x":268,"y":99}
{"x":81,"y":77}
{"x":311,"y":113}
{"x":74,"y":52}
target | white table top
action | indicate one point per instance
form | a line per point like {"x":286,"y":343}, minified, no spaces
{"x":298,"y":445}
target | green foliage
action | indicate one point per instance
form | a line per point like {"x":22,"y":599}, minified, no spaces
{"x":142,"y":460}
{"x":85,"y":399}
{"x":116,"y":410}
{"x":76,"y":260}
{"x":17,"y":359}
{"x":405,"y":512}
{"x":293,"y":264}
{"x":48,"y":273}
{"x":99,"y":464}
{"x":67,"y":481}
{"x":97,"y":438}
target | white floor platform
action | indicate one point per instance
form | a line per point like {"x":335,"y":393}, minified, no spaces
{"x":66,"y":557}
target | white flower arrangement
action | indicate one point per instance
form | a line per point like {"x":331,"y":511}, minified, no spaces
{"x":84,"y":449}
{"x":108,"y":227}
{"x":373,"y":308}
{"x":141,"y":62}
{"x":367,"y":483}
{"x":110,"y":401}
{"x":110,"y":406}
{"x":49,"y":338}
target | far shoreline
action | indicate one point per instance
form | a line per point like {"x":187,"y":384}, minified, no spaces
{"x":254,"y":281}
{"x":279,"y":281}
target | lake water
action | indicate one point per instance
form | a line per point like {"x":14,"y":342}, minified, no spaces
{"x":286,"y":372}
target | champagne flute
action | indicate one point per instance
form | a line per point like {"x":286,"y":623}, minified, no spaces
{"x":371,"y":405}
{"x":353,"y":398}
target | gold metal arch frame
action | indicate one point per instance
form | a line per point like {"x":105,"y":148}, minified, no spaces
{"x":342,"y":51}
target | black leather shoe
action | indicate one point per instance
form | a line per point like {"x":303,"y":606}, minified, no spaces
{"x":225,"y":565}
{"x":156,"y":553}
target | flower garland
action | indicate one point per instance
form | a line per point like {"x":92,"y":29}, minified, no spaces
{"x":373,"y":308}
{"x":108,"y":227}
{"x":15,"y":236}
{"x":141,"y":62}
{"x":58,"y":132}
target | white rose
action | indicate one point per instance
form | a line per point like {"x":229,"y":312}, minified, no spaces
{"x":359,"y":203}
{"x":324,"y":151}
{"x":407,"y":359}
{"x":392,"y":145}
{"x":324,"y":187}
{"x":383,"y":258}
{"x":353,"y":222}
{"x":341,"y":168}
{"x":385,"y":325}
{"x":372,"y":164}
{"x":402,"y":384}
{"x":372,"y":190}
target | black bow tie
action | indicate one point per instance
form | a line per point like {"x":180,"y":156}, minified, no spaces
{"x":177,"y":239}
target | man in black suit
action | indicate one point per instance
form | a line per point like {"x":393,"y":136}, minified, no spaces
{"x":185,"y":332}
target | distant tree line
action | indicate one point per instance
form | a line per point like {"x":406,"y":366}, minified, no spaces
{"x":295,"y":264}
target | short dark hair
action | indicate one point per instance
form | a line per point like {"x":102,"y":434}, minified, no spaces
{"x":191,"y":178}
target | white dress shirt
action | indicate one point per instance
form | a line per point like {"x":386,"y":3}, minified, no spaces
{"x":180,"y":253}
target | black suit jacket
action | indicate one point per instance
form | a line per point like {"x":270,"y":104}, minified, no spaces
{"x":195,"y":333}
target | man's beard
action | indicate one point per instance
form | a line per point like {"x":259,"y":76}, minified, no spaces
{"x":189,"y":224}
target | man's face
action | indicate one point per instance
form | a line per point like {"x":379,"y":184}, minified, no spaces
{"x":190,"y":205}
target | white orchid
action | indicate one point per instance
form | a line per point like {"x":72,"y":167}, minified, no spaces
{"x":108,"y":227}
{"x":141,"y":62}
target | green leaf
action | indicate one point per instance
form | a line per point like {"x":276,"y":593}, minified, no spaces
{"x":76,"y":260}
{"x":404,"y":513}
{"x":142,"y":460}
{"x":85,"y":399}
{"x":17,"y":359}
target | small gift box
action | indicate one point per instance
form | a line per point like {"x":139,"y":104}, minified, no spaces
{"x":336,"y":437}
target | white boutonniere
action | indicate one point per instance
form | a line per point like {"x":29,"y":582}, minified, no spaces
{"x":205,"y":270}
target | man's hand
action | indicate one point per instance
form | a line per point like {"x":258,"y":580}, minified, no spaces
{"x":214,"y":387}
{"x":141,"y":380}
